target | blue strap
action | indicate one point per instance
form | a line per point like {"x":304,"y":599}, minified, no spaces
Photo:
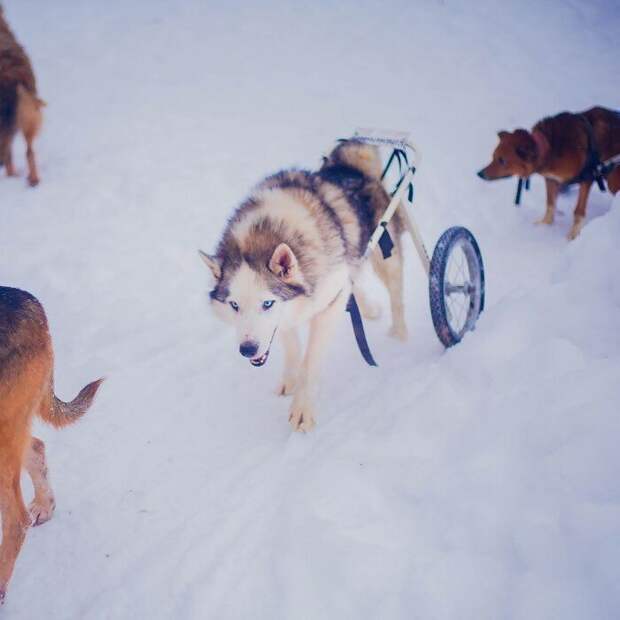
{"x":358,"y":330}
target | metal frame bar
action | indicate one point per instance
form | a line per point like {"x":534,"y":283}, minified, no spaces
{"x":398,"y":200}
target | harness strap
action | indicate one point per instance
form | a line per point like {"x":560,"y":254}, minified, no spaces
{"x":358,"y":330}
{"x":521,"y":183}
{"x":592,"y":169}
{"x":608,"y":165}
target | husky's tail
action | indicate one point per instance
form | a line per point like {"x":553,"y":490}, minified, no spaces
{"x":60,"y":414}
{"x":358,"y":155}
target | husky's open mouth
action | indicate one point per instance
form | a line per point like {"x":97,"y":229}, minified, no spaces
{"x":259,"y":361}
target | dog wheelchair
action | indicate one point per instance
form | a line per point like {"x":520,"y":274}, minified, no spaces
{"x":455,"y":271}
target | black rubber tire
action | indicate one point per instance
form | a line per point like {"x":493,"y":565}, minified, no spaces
{"x":449,"y":240}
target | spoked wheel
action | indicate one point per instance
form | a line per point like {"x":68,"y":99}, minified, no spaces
{"x":456,"y":285}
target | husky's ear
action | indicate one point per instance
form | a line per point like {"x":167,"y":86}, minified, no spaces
{"x":213,"y":263}
{"x":503,"y":134}
{"x":283,"y":263}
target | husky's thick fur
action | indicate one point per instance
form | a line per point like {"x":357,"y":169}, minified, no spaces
{"x":289,"y":255}
{"x":20,"y":107}
{"x":26,"y":390}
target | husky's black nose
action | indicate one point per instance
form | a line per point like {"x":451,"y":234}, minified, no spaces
{"x":482,"y":175}
{"x":248,"y":348}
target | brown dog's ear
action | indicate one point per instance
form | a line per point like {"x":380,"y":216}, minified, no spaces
{"x":284,"y":265}
{"x":503,"y":134}
{"x":213,"y":263}
{"x":526,"y":146}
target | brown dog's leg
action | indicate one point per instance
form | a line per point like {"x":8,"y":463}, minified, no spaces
{"x":15,"y":519}
{"x":43,"y":504}
{"x":33,"y":174}
{"x":613,"y":180}
{"x":553,"y":187}
{"x":29,"y":120}
{"x":6,"y":155}
{"x":580,"y":209}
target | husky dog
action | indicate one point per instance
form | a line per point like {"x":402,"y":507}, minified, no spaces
{"x":26,"y":391}
{"x":290,"y":254}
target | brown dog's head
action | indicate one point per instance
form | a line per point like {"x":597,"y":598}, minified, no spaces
{"x":515,"y":154}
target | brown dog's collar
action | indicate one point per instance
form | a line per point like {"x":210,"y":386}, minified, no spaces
{"x":542,"y":147}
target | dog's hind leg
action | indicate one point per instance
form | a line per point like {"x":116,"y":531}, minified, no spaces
{"x":29,"y":120}
{"x":368,"y":309}
{"x":301,"y":413}
{"x":580,"y":209}
{"x":292,"y":362}
{"x":43,"y":504}
{"x":613,"y":180}
{"x":390,"y":271}
{"x":15,"y":517}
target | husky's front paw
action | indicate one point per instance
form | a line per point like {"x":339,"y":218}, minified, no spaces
{"x":301,"y":416}
{"x":399,"y":332}
{"x":286,"y":387}
{"x":41,"y":510}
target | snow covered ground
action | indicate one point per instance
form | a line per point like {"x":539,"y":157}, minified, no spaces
{"x":480,"y":482}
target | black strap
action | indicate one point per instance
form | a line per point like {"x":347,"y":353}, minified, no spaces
{"x":518,"y":194}
{"x":358,"y":330}
{"x":385,"y":242}
{"x":521,"y":183}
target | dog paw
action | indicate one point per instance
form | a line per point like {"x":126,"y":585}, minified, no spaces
{"x":41,"y":511}
{"x":287,"y":386}
{"x":399,"y":332}
{"x":548,"y":220}
{"x":575,"y":230}
{"x":301,"y":417}
{"x":33,"y":181}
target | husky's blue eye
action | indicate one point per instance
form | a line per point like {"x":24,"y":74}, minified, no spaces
{"x":267,"y":304}
{"x":234,"y":305}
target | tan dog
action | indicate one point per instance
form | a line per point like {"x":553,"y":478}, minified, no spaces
{"x":27,"y":390}
{"x":20,"y":108}
{"x":563,"y":149}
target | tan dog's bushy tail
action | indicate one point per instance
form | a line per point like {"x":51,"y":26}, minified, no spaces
{"x":358,"y":155}
{"x":60,"y":414}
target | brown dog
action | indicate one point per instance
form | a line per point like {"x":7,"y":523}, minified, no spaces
{"x":26,"y":390}
{"x":564,"y":149}
{"x":20,"y":108}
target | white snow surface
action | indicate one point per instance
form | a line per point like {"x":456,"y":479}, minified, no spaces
{"x":479,"y":482}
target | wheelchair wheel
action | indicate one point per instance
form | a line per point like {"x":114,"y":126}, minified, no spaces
{"x":456,"y":285}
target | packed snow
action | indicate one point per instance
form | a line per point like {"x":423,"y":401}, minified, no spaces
{"x":475,"y":483}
